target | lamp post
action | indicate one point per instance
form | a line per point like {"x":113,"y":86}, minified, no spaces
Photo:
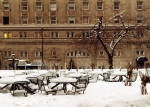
{"x":42,"y":47}
{"x":77,"y":60}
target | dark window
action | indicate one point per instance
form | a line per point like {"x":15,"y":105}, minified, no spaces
{"x":137,"y":52}
{"x":139,"y":19}
{"x":72,"y":34}
{"x":116,"y":5}
{"x":139,"y":5}
{"x":68,"y":34}
{"x":54,"y":52}
{"x":142,"y":52}
{"x":99,"y":5}
{"x":53,"y":20}
{"x":38,"y":6}
{"x":101,"y":53}
{"x":52,"y":34}
{"x":26,"y":54}
{"x":56,"y":34}
{"x":71,"y":6}
{"x":83,"y":35}
{"x":5,"y":20}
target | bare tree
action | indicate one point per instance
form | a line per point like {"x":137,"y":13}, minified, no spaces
{"x":99,"y":31}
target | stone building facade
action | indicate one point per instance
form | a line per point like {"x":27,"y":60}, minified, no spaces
{"x":61,"y":29}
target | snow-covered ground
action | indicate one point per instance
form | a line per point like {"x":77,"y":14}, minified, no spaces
{"x":99,"y":94}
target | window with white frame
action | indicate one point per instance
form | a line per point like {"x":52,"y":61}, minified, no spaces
{"x":71,"y":20}
{"x":54,"y":34}
{"x":139,"y":19}
{"x":38,"y":6}
{"x":5,"y":6}
{"x":38,"y":53}
{"x":24,"y":5}
{"x":53,"y":6}
{"x":139,"y":5}
{"x":71,"y":6}
{"x":85,"y":5}
{"x":53,"y":19}
{"x":140,"y":52}
{"x":116,"y":5}
{"x":99,"y":5}
{"x":85,"y":20}
{"x":38,"y":19}
{"x":85,"y":35}
{"x":24,"y":19}
{"x":70,"y":34}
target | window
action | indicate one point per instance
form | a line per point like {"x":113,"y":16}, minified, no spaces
{"x":21,"y":53}
{"x":116,"y":5}
{"x":85,"y":34}
{"x":24,"y":5}
{"x":5,"y":20}
{"x":101,"y":53}
{"x":71,"y":6}
{"x":139,"y":5}
{"x":5,"y":6}
{"x":72,"y":20}
{"x":54,"y":35}
{"x":53,"y":19}
{"x":38,"y":6}
{"x":70,"y":34}
{"x":53,"y":6}
{"x":99,"y":5}
{"x":139,"y":19}
{"x":23,"y":34}
{"x":25,"y":53}
{"x":7,"y":35}
{"x":53,"y":52}
{"x":24,"y":19}
{"x":38,"y":53}
{"x":38,"y":20}
{"x":140,"y":52}
{"x":85,"y":5}
{"x":85,"y":20}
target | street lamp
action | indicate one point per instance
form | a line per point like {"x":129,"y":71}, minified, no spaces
{"x":42,"y":54}
{"x":13,"y":61}
{"x":77,"y":60}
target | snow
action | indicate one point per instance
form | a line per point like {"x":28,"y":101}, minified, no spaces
{"x":99,"y":94}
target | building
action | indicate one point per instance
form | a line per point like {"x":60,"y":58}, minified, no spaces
{"x":60,"y":28}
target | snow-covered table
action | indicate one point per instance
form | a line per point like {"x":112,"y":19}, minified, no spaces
{"x":15,"y":82}
{"x":76,"y":75}
{"x":120,"y":75}
{"x":64,"y":81}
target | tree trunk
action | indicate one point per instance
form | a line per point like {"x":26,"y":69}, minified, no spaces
{"x":110,"y":60}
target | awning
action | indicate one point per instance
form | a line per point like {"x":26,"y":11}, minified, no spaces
{"x":142,"y":58}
